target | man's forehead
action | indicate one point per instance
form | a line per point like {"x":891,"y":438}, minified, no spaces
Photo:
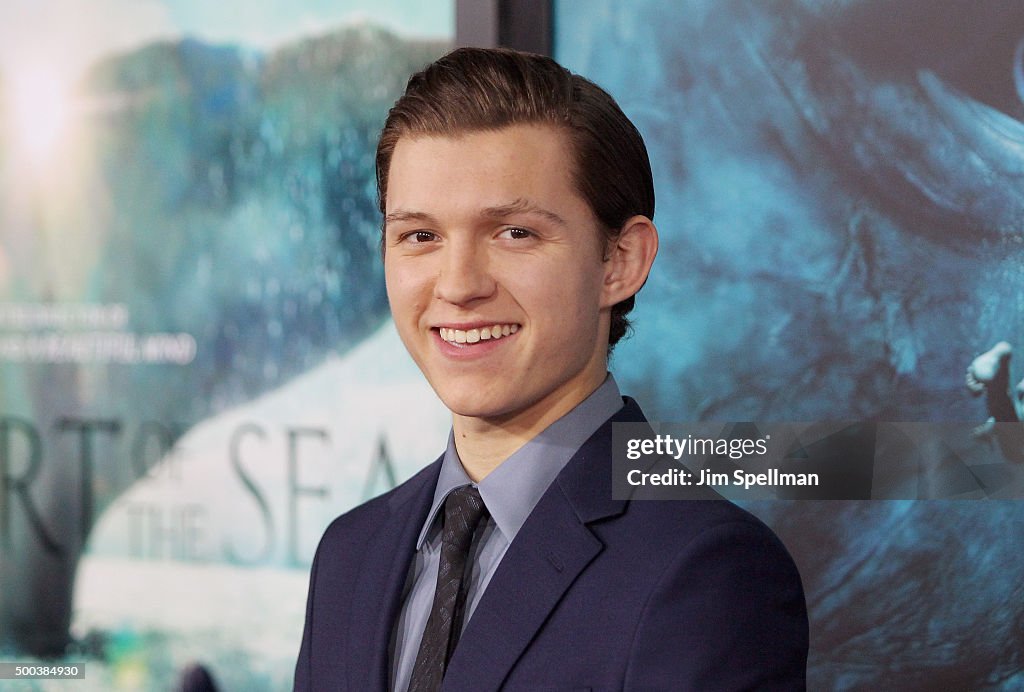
{"x":518,"y":169}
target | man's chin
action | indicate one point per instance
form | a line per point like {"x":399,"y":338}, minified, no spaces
{"x":484,"y":408}
{"x":474,"y":409}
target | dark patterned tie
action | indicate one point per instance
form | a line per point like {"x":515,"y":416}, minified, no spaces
{"x":463,"y":512}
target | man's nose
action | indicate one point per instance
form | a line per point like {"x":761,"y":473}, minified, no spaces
{"x":464,"y":275}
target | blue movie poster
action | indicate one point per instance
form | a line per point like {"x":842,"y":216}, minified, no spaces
{"x":841,"y":207}
{"x":197,"y":369}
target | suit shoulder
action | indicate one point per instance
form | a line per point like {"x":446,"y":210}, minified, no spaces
{"x":718,"y":539}
{"x":682,"y":518}
{"x":667,"y":529}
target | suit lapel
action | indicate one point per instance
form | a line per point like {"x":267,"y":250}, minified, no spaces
{"x":551,"y":550}
{"x":376,"y":599}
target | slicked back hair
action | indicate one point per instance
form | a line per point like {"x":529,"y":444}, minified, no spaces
{"x":486,"y":89}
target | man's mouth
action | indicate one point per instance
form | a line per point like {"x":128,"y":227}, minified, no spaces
{"x":472,"y":336}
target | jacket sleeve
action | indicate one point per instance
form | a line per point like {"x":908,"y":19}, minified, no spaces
{"x":728,"y":613}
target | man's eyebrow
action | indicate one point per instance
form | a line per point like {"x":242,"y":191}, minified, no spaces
{"x":522,"y":206}
{"x":519,"y":206}
{"x":402,"y":215}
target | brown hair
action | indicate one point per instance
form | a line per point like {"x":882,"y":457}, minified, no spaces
{"x":474,"y":89}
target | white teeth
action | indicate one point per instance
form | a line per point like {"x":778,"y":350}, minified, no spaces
{"x":472,"y":336}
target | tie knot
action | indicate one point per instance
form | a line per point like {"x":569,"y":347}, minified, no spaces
{"x":463,"y":511}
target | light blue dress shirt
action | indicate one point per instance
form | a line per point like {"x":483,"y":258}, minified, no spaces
{"x":510,"y":491}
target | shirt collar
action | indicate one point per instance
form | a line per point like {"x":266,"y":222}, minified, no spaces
{"x":514,"y":488}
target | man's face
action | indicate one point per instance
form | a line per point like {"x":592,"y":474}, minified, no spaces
{"x":494,"y":272}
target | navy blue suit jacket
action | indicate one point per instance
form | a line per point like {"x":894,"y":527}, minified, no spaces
{"x":593,"y":593}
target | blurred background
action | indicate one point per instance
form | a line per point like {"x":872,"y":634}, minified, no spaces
{"x":198,"y":371}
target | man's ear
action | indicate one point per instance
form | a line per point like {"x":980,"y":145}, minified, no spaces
{"x":628,"y":260}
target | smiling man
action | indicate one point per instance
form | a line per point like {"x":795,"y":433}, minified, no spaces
{"x":518,"y":204}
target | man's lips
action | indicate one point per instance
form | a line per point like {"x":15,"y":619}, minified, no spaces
{"x":499,"y":330}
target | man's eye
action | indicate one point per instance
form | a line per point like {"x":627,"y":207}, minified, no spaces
{"x":419,"y":237}
{"x":516,"y":233}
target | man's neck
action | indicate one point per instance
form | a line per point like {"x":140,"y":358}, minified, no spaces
{"x":484,"y":443}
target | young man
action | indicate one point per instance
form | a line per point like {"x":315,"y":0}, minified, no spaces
{"x":517,"y":202}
